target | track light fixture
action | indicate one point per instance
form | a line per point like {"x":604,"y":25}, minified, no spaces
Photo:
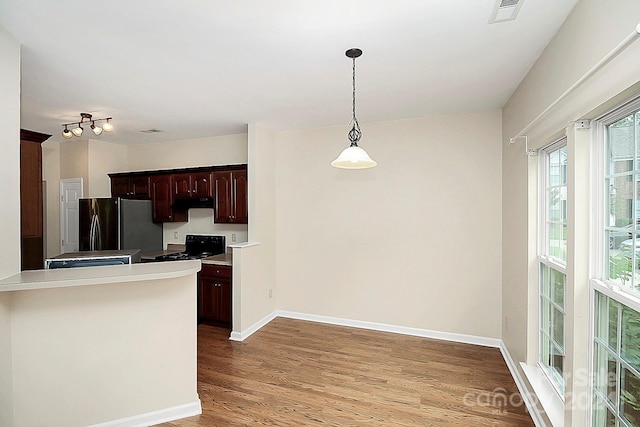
{"x":86,"y":118}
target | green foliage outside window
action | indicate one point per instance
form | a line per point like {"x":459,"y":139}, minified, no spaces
{"x":617,"y":364}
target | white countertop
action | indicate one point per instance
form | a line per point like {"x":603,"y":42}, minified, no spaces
{"x":222,"y":259}
{"x":65,"y":277}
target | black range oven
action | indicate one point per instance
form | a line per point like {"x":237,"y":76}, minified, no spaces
{"x":197,"y":247}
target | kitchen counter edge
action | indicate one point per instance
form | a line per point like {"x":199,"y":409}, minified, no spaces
{"x":222,"y":259}
{"x":62,"y":278}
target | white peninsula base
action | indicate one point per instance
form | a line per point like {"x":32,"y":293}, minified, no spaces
{"x":108,"y":346}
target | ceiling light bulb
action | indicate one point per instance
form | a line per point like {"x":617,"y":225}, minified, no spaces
{"x":66,"y":133}
{"x":96,"y":129}
{"x":107,"y":127}
{"x":77,"y":131}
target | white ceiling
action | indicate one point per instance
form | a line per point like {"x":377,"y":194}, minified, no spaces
{"x":198,"y":68}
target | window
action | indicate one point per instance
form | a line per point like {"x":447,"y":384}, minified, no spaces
{"x":622,"y":181}
{"x":556,"y":203}
{"x":552,"y":314}
{"x":616,"y":337}
{"x":616,"y":363}
{"x":553,"y":258}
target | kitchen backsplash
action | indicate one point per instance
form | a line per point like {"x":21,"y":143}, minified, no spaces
{"x":201,"y":222}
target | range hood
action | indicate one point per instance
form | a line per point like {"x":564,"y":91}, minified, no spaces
{"x":195,"y":202}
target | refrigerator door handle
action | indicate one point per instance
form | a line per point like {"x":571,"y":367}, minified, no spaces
{"x":91,"y":233}
{"x":94,"y":233}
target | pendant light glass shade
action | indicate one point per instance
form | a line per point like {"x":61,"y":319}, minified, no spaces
{"x":96,"y":129}
{"x":66,"y":133}
{"x":354,"y":157}
{"x":107,"y":127}
{"x":77,"y":131}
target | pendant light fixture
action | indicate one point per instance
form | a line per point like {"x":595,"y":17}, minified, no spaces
{"x":354,"y":157}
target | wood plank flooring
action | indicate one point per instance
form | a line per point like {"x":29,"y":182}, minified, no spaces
{"x":298,"y":373}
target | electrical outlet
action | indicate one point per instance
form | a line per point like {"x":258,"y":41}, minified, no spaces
{"x":233,"y":237}
{"x":175,"y":235}
{"x":270,"y":293}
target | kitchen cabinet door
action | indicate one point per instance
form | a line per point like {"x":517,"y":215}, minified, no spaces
{"x":130,"y":187}
{"x":188,"y":185}
{"x":214,"y":295}
{"x":139,"y":187}
{"x":162,"y":198}
{"x":239,"y":199}
{"x":181,"y":185}
{"x":120,"y":186}
{"x":201,"y":184}
{"x":222,"y":199}
{"x":230,"y":203}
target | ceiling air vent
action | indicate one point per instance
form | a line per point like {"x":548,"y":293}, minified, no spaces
{"x":505,"y":10}
{"x":508,"y":3}
{"x":151,"y":131}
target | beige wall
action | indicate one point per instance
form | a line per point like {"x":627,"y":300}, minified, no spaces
{"x":220,"y":150}
{"x":90,"y":160}
{"x":51,"y":178}
{"x":74,"y":161}
{"x":10,"y":159}
{"x":414,"y":242}
{"x":103,"y":158}
{"x":10,"y":224}
{"x":255,"y":266}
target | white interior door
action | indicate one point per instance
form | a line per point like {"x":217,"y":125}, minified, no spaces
{"x":70,"y":193}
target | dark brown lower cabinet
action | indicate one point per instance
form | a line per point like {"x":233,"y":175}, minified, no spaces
{"x":214,"y":295}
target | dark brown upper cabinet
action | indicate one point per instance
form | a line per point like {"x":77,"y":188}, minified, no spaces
{"x":230,"y":199}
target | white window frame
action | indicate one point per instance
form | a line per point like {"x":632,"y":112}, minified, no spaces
{"x":599,"y":265}
{"x":543,"y":254}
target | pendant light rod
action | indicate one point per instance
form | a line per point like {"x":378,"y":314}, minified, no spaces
{"x":355,"y":134}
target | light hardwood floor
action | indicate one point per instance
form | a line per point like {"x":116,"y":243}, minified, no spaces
{"x":298,"y":373}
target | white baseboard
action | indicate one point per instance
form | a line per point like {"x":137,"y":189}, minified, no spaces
{"x":156,"y":417}
{"x":383,"y":327}
{"x":243,"y":335}
{"x":528,"y":399}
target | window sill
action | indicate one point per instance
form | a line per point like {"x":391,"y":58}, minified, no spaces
{"x":547,"y":396}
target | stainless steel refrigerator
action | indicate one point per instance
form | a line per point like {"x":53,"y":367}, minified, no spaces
{"x":115,"y":223}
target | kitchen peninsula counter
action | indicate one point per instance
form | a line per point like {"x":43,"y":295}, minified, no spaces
{"x":109,"y":345}
{"x":65,"y":277}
